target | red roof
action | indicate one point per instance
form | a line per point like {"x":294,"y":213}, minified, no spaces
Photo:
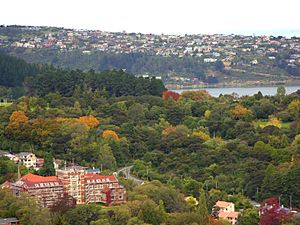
{"x":99,"y":178}
{"x":40,"y":160}
{"x":225,"y":215}
{"x":223,"y":204}
{"x":39,"y":179}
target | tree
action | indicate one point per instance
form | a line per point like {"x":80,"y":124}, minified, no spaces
{"x":170,"y":95}
{"x":48,"y":167}
{"x":271,"y":213}
{"x":89,"y":121}
{"x":152,"y":213}
{"x":248,"y":217}
{"x":106,"y":158}
{"x":202,"y":209}
{"x":16,"y":119}
{"x":281,"y":92}
{"x":294,"y":109}
{"x":83,"y":214}
{"x":240,"y":111}
{"x":110,"y":135}
{"x":200,"y":95}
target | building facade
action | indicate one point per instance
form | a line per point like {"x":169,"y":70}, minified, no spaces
{"x":103,"y":189}
{"x":88,"y":186}
{"x":73,"y":182}
{"x":27,"y":159}
{"x":47,"y":190}
{"x":226,"y":211}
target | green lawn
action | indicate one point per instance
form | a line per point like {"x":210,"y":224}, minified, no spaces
{"x":5,"y":104}
{"x":261,"y":123}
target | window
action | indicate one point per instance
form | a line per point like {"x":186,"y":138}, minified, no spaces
{"x":120,"y":196}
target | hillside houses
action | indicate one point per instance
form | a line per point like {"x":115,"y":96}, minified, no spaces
{"x":89,"y":41}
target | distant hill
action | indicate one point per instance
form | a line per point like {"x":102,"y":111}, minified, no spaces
{"x":178,"y":59}
{"x":13,"y":71}
{"x":40,"y":80}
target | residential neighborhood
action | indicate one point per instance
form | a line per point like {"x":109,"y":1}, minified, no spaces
{"x":247,"y":60}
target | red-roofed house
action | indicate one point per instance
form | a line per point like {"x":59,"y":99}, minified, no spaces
{"x":226,"y":211}
{"x":47,"y":190}
{"x":225,"y":206}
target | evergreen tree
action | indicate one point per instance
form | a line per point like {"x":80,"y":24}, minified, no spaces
{"x":202,"y":209}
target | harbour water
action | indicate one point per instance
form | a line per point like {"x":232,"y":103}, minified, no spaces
{"x":242,"y":91}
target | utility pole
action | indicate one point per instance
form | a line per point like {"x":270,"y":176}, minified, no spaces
{"x":147,"y":173}
{"x":279,"y":198}
{"x":291,"y":206}
{"x":19,"y":171}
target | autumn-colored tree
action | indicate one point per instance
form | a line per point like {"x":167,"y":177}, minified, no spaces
{"x":16,"y":119}
{"x":17,"y":126}
{"x":170,"y":95}
{"x":200,"y":95}
{"x":110,"y":135}
{"x":273,"y":121}
{"x":90,"y":121}
{"x":240,"y":111}
{"x":200,"y":134}
{"x":168,"y":130}
{"x":294,"y":109}
{"x":271,"y":213}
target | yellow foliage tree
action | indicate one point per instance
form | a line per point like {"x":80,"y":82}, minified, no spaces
{"x":207,"y":114}
{"x":200,"y":134}
{"x":110,"y":135}
{"x":273,"y":121}
{"x":195,"y":95}
{"x":90,"y":121}
{"x":240,"y":111}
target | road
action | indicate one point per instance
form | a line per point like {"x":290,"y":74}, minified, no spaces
{"x":127,"y":174}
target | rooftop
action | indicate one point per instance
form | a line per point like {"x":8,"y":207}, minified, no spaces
{"x":223,"y":204}
{"x":38,"y":179}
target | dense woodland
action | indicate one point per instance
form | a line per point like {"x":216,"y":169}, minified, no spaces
{"x":192,"y":144}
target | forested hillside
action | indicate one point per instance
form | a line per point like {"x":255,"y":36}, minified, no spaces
{"x":13,"y":70}
{"x":225,"y":148}
{"x":41,"y":80}
{"x":135,"y":63}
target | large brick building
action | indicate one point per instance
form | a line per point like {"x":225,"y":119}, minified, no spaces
{"x":84,"y":185}
{"x":103,"y":189}
{"x":88,"y":186}
{"x":47,"y":190}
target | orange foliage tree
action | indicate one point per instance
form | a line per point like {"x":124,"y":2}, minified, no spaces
{"x":90,"y":121}
{"x":200,"y":95}
{"x":170,"y":95}
{"x":240,"y":111}
{"x":17,"y":118}
{"x":168,"y":130}
{"x":110,"y":135}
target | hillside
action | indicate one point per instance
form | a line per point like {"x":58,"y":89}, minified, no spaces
{"x":178,"y":59}
{"x":18,"y":76}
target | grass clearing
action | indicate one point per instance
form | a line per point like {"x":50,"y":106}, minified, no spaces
{"x":263,"y":123}
{"x":5,"y":104}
